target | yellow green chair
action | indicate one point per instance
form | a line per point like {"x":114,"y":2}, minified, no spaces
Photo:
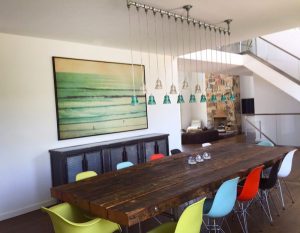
{"x":85,"y":175}
{"x":189,"y":222}
{"x":69,"y":219}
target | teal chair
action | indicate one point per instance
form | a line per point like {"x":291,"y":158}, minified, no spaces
{"x":69,"y":219}
{"x":123,"y":165}
{"x":85,"y":175}
{"x":189,"y":222}
{"x":221,"y":205}
{"x":265,"y":143}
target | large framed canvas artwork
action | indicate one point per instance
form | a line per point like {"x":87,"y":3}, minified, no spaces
{"x":94,"y":97}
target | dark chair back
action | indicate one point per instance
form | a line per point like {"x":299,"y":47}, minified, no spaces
{"x":175,"y":151}
{"x":270,"y":182}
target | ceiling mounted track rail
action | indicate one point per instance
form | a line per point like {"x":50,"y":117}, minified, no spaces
{"x":177,"y":16}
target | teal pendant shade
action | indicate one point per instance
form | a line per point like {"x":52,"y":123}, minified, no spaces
{"x":192,"y":99}
{"x":203,"y":99}
{"x":223,"y":98}
{"x":232,"y":97}
{"x":180,"y":99}
{"x":213,"y":99}
{"x":167,"y":99}
{"x":151,"y":100}
{"x":134,"y":100}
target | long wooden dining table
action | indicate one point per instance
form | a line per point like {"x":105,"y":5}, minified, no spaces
{"x":135,"y":194}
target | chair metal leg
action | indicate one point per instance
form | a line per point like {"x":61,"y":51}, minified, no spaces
{"x":289,"y":192}
{"x":281,"y":194}
{"x":227,"y":224}
{"x":274,"y":204}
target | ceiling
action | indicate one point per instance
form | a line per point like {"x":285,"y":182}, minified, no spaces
{"x":105,"y":22}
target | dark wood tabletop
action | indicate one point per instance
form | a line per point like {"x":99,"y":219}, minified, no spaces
{"x":140,"y":192}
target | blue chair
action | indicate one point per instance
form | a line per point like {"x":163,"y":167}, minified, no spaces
{"x":123,"y":165}
{"x":265,"y":143}
{"x":222,"y":204}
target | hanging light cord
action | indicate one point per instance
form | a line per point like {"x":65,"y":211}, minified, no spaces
{"x":157,"y":68}
{"x":130,"y":37}
{"x":190,"y":50}
{"x":211,"y":52}
{"x":200,"y":42}
{"x":206,"y":52}
{"x":196,"y":53}
{"x":220,"y":32}
{"x":183,"y":49}
{"x":148,"y":42}
{"x":163,"y":37}
{"x":141,"y":45}
{"x":216,"y":48}
{"x":171,"y":48}
{"x":177,"y":44}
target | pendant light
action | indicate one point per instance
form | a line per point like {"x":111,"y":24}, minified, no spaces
{"x":141,"y":49}
{"x":158,"y":83}
{"x":151,"y":99}
{"x":134,"y":99}
{"x":180,"y":99}
{"x":228,"y":21}
{"x":192,"y":96}
{"x":185,"y":83}
{"x":223,"y":96}
{"x":166,"y":97}
{"x":173,"y":90}
{"x":203,"y":97}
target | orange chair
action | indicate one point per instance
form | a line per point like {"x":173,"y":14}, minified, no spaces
{"x":156,"y":156}
{"x":246,"y":194}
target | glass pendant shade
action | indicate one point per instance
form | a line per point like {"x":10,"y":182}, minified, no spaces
{"x":158,"y":84}
{"x":223,"y":98}
{"x":134,"y":100}
{"x":203,"y":99}
{"x":167,"y":99}
{"x":197,"y":89}
{"x":173,"y":90}
{"x":232,"y":97}
{"x":213,"y":98}
{"x":192,"y":99}
{"x":151,"y":100}
{"x":180,"y":99}
{"x":185,"y":84}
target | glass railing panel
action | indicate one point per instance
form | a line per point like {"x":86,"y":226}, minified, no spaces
{"x":288,"y":130}
{"x":278,"y":58}
{"x":282,"y":129}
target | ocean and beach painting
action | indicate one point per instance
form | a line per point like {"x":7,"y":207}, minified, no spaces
{"x":94,"y":97}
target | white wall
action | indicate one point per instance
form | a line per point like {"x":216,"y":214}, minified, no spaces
{"x":270,"y":99}
{"x":28,"y":117}
{"x":193,"y":111}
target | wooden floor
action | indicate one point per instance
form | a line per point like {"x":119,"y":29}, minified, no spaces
{"x":288,"y":221}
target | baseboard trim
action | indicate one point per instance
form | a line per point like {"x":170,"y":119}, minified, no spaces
{"x":26,"y":209}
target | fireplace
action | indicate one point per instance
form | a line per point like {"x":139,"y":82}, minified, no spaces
{"x":220,"y":120}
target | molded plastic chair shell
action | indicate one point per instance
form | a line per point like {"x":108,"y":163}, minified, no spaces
{"x":67,"y":218}
{"x":286,"y":165}
{"x":175,"y":151}
{"x":223,"y":202}
{"x":156,"y":156}
{"x":270,"y":182}
{"x":123,"y":165}
{"x":251,"y":185}
{"x":85,"y":175}
{"x":265,"y":143}
{"x":206,"y":144}
{"x":189,"y":222}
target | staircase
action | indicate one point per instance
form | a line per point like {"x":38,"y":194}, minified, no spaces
{"x":274,"y":64}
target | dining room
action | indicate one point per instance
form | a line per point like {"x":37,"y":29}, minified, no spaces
{"x":92,"y":95}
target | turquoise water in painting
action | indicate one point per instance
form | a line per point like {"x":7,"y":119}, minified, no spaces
{"x":92,"y":104}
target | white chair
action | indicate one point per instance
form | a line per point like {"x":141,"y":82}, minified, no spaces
{"x":284,"y":171}
{"x":206,"y":144}
{"x":195,"y":125}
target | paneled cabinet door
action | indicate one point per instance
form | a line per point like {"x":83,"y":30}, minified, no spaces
{"x":94,"y":162}
{"x":74,"y":166}
{"x":124,"y":153}
{"x":155,"y":147}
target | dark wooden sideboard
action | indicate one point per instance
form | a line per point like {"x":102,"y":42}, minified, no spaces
{"x":103,"y":157}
